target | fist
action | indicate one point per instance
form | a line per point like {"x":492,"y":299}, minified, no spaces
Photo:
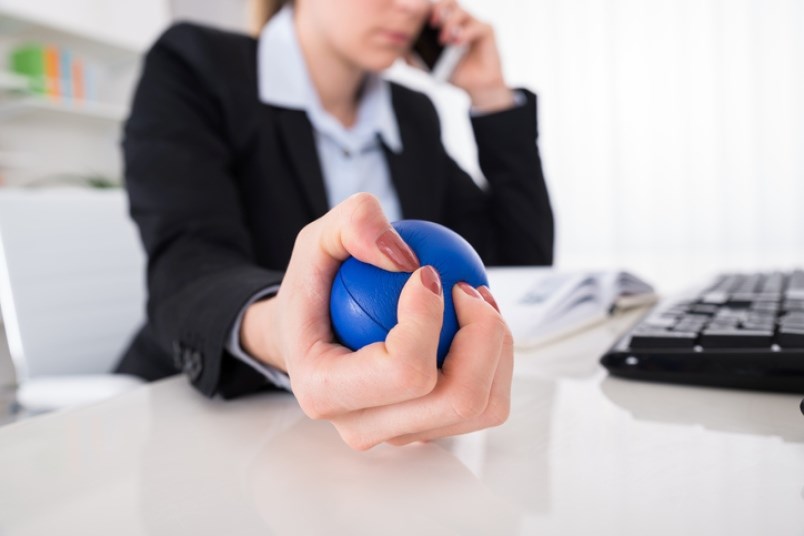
{"x":364,"y":298}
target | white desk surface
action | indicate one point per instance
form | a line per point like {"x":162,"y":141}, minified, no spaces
{"x":582,"y":453}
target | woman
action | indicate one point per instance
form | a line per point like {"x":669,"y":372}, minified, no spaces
{"x":255,"y":167}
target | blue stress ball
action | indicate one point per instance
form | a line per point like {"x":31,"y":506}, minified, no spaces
{"x":364,"y":298}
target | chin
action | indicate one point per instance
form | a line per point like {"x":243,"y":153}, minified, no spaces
{"x":379,"y":61}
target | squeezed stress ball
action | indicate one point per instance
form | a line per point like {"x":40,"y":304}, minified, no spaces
{"x":364,"y":298}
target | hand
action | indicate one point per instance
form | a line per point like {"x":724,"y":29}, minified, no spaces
{"x":480,"y":71}
{"x":390,"y":391}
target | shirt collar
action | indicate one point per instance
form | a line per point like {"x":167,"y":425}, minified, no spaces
{"x":284,"y":81}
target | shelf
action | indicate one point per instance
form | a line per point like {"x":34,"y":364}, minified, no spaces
{"x":13,"y":83}
{"x":108,"y":49}
{"x":25,"y":107}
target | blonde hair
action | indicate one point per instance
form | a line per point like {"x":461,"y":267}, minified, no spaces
{"x":261,"y":11}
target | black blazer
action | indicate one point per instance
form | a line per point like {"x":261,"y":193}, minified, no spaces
{"x":220,"y":184}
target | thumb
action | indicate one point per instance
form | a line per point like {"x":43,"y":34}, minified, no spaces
{"x":358,"y":227}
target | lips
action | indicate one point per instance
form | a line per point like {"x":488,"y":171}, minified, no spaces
{"x":397,"y":38}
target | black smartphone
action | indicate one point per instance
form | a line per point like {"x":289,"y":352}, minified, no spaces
{"x":427,"y":46}
{"x":434,"y":57}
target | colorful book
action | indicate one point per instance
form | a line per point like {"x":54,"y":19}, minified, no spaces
{"x":78,"y":79}
{"x":66,"y":73}
{"x":54,"y":71}
{"x":29,"y":60}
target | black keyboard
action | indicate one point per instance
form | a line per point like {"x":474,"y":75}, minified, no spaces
{"x":741,"y":331}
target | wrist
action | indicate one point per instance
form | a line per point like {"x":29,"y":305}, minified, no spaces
{"x":492,"y":99}
{"x":257,"y":334}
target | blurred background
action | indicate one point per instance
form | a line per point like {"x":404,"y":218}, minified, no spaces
{"x":672,"y":132}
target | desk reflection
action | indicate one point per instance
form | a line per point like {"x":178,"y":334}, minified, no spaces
{"x":262,"y":467}
{"x":722,"y":410}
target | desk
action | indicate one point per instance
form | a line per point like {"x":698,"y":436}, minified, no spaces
{"x":582,"y":453}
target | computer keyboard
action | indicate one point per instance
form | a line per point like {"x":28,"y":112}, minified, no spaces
{"x":742,"y":331}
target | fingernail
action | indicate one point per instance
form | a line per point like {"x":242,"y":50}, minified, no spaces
{"x":395,"y":249}
{"x":486,"y":293}
{"x":431,"y":280}
{"x":469,"y":289}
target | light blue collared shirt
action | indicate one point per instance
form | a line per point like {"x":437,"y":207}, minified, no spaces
{"x":352,"y":159}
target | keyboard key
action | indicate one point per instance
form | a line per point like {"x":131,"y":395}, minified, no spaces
{"x":736,"y":338}
{"x":661,"y":321}
{"x":704,"y":309}
{"x":688,"y":328}
{"x":769,"y":307}
{"x":793,"y":305}
{"x":715,"y":298}
{"x":759,"y":326}
{"x":740,"y":300}
{"x":795,"y":294}
{"x":791,"y":325}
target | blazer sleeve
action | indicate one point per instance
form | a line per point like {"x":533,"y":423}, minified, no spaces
{"x":511,"y":223}
{"x":184,"y":198}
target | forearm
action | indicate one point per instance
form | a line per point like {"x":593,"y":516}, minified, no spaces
{"x":258,"y":335}
{"x":518,"y":203}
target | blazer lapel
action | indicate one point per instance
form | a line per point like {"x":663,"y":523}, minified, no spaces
{"x":299,"y":144}
{"x":404,"y":179}
{"x":410,"y":172}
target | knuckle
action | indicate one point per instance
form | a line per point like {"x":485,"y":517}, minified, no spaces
{"x":468,"y":403}
{"x":498,"y":328}
{"x":362,"y":206}
{"x":416,"y":381}
{"x":498,"y":325}
{"x":399,"y":442}
{"x":492,"y":329}
{"x":305,"y":235}
{"x":310,"y":404}
{"x":498,"y":411}
{"x":355,"y":441}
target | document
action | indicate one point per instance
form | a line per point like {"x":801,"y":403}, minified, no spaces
{"x":542,"y":305}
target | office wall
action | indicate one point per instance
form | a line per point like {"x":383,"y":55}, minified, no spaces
{"x":229,"y":14}
{"x":134,"y":23}
{"x":671,"y":131}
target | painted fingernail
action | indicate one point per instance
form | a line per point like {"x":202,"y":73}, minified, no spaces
{"x":469,"y":289}
{"x":431,"y":280}
{"x":486,"y":293}
{"x":398,"y":251}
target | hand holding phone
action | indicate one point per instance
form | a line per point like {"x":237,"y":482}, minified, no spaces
{"x":456,"y":46}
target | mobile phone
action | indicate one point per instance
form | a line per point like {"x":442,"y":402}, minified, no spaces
{"x":434,"y":57}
